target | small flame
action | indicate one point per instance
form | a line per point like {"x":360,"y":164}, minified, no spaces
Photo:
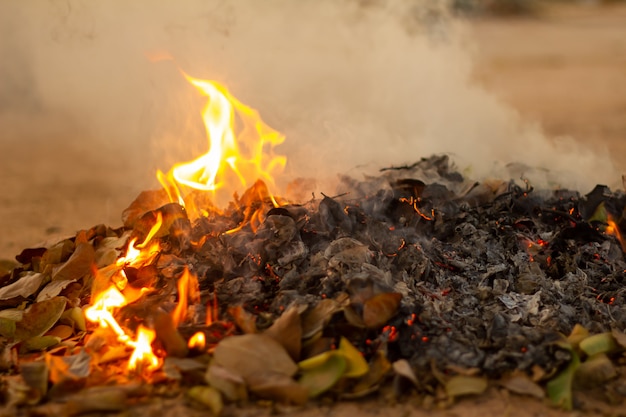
{"x":232,"y":160}
{"x":197,"y":341}
{"x":613,"y":229}
{"x":143,"y":355}
{"x":101,"y":311}
{"x":212,"y":311}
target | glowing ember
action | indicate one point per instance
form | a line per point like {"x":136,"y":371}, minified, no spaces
{"x":233,"y":159}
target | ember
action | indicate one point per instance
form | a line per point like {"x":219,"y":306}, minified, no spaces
{"x":417,"y":276}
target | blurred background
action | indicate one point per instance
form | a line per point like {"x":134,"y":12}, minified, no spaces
{"x":91,"y":102}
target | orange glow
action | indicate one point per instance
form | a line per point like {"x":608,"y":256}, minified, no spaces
{"x":234,"y":159}
{"x":101,"y":311}
{"x":143,"y":355}
{"x":180,"y":312}
{"x":212,"y":311}
{"x":613,"y":229}
{"x":197,"y":341}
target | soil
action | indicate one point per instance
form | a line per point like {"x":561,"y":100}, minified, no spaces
{"x":564,"y":66}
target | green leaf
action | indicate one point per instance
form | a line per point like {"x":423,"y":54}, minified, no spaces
{"x":560,"y":387}
{"x":356,"y":364}
{"x":323,"y":377}
{"x":598,"y":343}
{"x":465,"y":385}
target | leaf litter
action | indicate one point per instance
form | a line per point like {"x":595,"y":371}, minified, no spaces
{"x":416,"y":282}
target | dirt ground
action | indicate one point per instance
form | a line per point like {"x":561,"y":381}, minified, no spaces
{"x":565,"y":67}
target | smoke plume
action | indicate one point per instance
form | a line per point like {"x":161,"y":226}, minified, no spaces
{"x":88,"y":109}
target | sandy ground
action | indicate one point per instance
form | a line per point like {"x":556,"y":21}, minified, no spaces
{"x":570,"y":75}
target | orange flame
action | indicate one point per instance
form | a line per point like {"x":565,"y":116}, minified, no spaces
{"x":143,"y":355}
{"x":212,"y":311}
{"x":101,"y":312}
{"x":197,"y":341}
{"x":613,"y":229}
{"x":232,"y":160}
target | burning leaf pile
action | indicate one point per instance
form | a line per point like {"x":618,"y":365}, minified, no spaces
{"x":415,"y":281}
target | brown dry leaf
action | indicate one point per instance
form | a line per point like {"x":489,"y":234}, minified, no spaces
{"x":379,"y":309}
{"x":7,"y":327}
{"x":35,"y":375}
{"x":40,"y":318}
{"x":403,"y":368}
{"x":287,"y":331}
{"x":245,"y":320}
{"x":78,"y":265}
{"x":62,"y":331}
{"x":58,"y":253}
{"x":250,"y":354}
{"x":23,"y":287}
{"x":278,"y":387}
{"x":91,"y":400}
{"x":52,"y":289}
{"x":314,"y":319}
{"x":145,"y":201}
{"x":232,"y":386}
{"x":174,"y":344}
{"x":75,"y":318}
{"x":523,"y":385}
{"x":379,"y":368}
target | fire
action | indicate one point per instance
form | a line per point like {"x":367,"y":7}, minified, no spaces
{"x":613,"y":229}
{"x":143,"y":355}
{"x":197,"y":341}
{"x":233,"y":159}
{"x":187,"y":289}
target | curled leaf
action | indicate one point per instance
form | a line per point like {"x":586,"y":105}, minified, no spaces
{"x":319,"y":379}
{"x":249,"y":354}
{"x":23,"y":287}
{"x":40,"y":318}
{"x":78,"y":265}
{"x":523,"y":385}
{"x":231,"y":385}
{"x":595,"y":371}
{"x":287,"y":331}
{"x":356,"y":366}
{"x":379,"y":309}
{"x":598,"y":343}
{"x":577,"y":335}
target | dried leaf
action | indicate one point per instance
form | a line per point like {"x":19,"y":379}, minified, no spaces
{"x":577,"y":335}
{"x":249,"y":354}
{"x":403,"y":368}
{"x":40,"y":318}
{"x":619,"y":337}
{"x":598,"y":343}
{"x":523,"y":385}
{"x":461,"y":385}
{"x":145,"y":201}
{"x":559,"y":388}
{"x":356,"y":364}
{"x":52,"y":289}
{"x":78,"y":265}
{"x":23,"y":287}
{"x":174,"y":344}
{"x":74,"y":317}
{"x":207,"y":396}
{"x":14,"y":314}
{"x":287,"y":331}
{"x":39,"y":343}
{"x":595,"y":371}
{"x":231,"y":385}
{"x":278,"y":387}
{"x":62,"y":331}
{"x":322,"y":377}
{"x":378,"y":368}
{"x":7,"y":328}
{"x":245,"y":320}
{"x":35,"y":375}
{"x":97,"y":399}
{"x":314,"y":319}
{"x":379,"y":309}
